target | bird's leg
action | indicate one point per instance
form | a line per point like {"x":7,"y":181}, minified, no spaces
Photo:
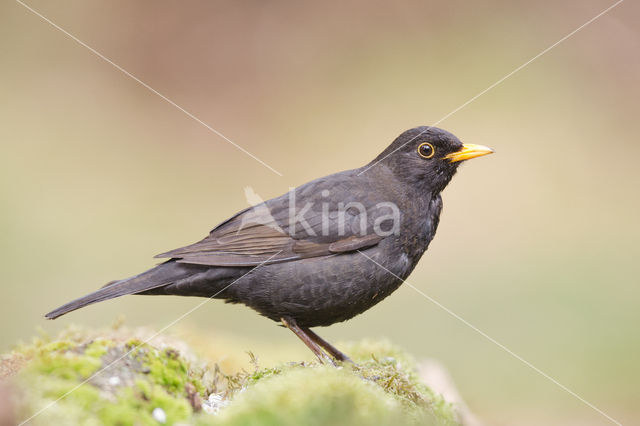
{"x":290,"y":323}
{"x":340,"y":356}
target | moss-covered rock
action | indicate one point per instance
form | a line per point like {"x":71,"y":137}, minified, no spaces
{"x":109,"y":378}
{"x":312,"y":396}
{"x":105,"y":381}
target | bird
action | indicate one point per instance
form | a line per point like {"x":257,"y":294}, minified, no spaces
{"x":321,"y":253}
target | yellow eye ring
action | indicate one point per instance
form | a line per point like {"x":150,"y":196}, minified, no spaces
{"x":426,"y":150}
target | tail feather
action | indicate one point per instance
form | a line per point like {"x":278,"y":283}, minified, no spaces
{"x":159,"y":276}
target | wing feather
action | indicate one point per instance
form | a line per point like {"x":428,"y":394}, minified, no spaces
{"x":262,"y":234}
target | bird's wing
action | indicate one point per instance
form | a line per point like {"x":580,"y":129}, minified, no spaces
{"x":263,"y":234}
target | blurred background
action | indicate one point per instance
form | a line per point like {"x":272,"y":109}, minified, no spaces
{"x":537,"y":246}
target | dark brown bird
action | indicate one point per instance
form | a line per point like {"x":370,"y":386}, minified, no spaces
{"x":322,"y":253}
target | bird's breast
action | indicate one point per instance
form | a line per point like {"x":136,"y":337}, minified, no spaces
{"x":418,"y":227}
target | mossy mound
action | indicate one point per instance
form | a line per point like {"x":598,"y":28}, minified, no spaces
{"x":114,"y":379}
{"x":313,"y":396}
{"x":106,"y":382}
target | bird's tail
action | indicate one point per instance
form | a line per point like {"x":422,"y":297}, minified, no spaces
{"x":162,"y":275}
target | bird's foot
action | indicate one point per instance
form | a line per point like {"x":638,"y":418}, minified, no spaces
{"x":334,"y":352}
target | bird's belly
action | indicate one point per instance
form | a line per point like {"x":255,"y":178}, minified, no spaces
{"x":323,"y":291}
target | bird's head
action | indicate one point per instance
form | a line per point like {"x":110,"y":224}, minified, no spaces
{"x":427,"y":157}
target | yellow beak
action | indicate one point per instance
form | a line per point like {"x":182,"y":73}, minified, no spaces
{"x":468,"y":152}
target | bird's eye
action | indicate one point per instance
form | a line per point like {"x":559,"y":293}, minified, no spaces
{"x":426,"y":150}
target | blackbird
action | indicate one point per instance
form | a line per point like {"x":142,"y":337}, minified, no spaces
{"x":322,"y":253}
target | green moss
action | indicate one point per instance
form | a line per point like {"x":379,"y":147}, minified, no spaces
{"x":169,"y":370}
{"x":66,"y":361}
{"x":378,"y":363}
{"x":135,"y":407}
{"x":166,"y":369}
{"x":97,"y":348}
{"x":382,"y":389}
{"x":134,"y":343}
{"x":382,"y":368}
{"x":313,"y":396}
{"x":395,"y":372}
{"x":133,"y":383}
{"x":60,"y":345}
